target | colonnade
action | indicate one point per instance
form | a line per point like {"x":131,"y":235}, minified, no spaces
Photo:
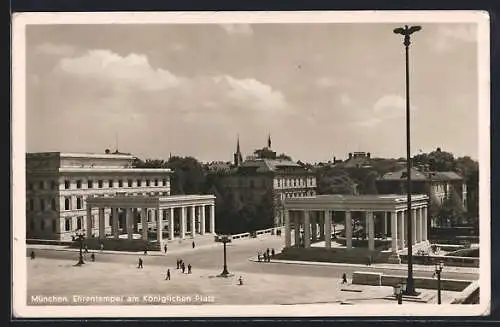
{"x":309,"y":221}
{"x":195,"y":214}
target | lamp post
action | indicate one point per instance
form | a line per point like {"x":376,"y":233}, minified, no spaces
{"x":438,"y":269}
{"x":80,"y":236}
{"x":225,"y":239}
{"x":406,"y":32}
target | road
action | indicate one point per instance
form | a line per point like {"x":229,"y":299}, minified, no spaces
{"x":238,"y":254}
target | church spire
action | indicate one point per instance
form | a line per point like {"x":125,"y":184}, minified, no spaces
{"x":238,"y":143}
{"x":269,"y":140}
{"x":238,"y":158}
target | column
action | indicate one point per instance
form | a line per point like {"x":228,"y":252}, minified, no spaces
{"x":418,"y":225}
{"x":89,"y":220}
{"x":115,"y":227}
{"x":348,"y":229}
{"x":384,"y":223}
{"x":307,"y":229}
{"x":193,"y":221}
{"x":401,"y":229}
{"x":414,"y":226}
{"x":424,"y":224}
{"x":394,"y":231}
{"x":296,"y":231}
{"x":212,"y":219}
{"x":202,"y":220}
{"x":183,"y":223}
{"x":102,"y":232}
{"x":314,"y":227}
{"x":288,"y":239}
{"x":144,"y":223}
{"x":327,"y":227}
{"x":322,"y":220}
{"x":159,"y":226}
{"x":171,"y":223}
{"x":371,"y":230}
{"x":129,"y":222}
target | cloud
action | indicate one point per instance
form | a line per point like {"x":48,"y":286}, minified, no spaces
{"x":101,"y":76}
{"x":450,"y":36}
{"x":386,"y":108}
{"x":237,"y":29}
{"x":345,"y":99}
{"x":51,"y":49}
{"x":105,"y":66}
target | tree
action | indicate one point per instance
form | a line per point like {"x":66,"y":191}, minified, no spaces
{"x":283,"y":156}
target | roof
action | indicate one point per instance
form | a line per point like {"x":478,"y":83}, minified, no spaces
{"x":81,"y":155}
{"x":422,"y":175}
{"x":268,"y":165}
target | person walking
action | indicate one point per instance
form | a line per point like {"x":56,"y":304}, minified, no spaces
{"x":145,"y":251}
{"x":165,"y":248}
{"x":272,"y":252}
{"x":178,"y":264}
{"x":102,"y":246}
{"x":344,"y":278}
{"x":189,"y":268}
{"x":32,"y":255}
{"x":183,"y":267}
{"x":168,"y":275}
{"x":194,"y":245}
{"x":92,"y":257}
{"x":140,"y":264}
{"x":86,"y":249}
{"x":258,"y":256}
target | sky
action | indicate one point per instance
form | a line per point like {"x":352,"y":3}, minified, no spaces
{"x":320,"y":90}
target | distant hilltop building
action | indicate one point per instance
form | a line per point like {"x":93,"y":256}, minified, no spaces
{"x":249,"y":181}
{"x":358,"y":160}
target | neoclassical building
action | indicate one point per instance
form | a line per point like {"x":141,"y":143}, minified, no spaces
{"x":313,"y":218}
{"x":94,"y":193}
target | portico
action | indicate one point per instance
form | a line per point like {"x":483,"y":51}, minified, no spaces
{"x":390,"y":211}
{"x":181,"y":216}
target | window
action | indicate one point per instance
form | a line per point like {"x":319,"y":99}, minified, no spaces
{"x":279,"y":183}
{"x":90,"y":184}
{"x":147,"y":182}
{"x":67,"y":204}
{"x":110,"y":183}
{"x":129,"y":183}
{"x":99,"y":183}
{"x":53,"y":204}
{"x":156,"y":182}
{"x":120,"y":183}
{"x":78,"y":202}
{"x":294,"y":183}
{"x":139,"y":183}
{"x":41,"y":185}
{"x":31,"y":204}
{"x":164,"y":182}
{"x":79,"y":223}
{"x":42,"y":205}
{"x":54,"y":225}
{"x":30,"y":186}
{"x":53,"y":185}
{"x":42,"y":225}
{"x":67,"y":225}
{"x":78,"y":184}
{"x":66,"y":184}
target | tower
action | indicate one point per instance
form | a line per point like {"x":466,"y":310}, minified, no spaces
{"x":269,"y":141}
{"x":238,"y":158}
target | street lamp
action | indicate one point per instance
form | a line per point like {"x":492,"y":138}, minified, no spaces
{"x":225,"y":239}
{"x":80,"y":236}
{"x":406,"y":32}
{"x":438,"y":269}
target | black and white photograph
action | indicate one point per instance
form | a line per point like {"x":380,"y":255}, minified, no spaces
{"x":251,"y":164}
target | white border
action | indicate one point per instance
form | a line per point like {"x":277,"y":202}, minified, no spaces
{"x":19,"y":22}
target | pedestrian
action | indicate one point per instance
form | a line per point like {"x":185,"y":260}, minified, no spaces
{"x":193,"y":245}
{"x":178,"y":264}
{"x":268,"y":258}
{"x":265,"y":256}
{"x":267,"y":251}
{"x":258,"y":256}
{"x":272,"y":252}
{"x":32,"y":255}
{"x":140,"y":263}
{"x":183,"y":267}
{"x":145,"y":251}
{"x":168,"y":275}
{"x":344,"y":278}
{"x":240,"y":281}
{"x":102,"y":246}
{"x":189,"y":268}
{"x":165,"y":248}
{"x":86,"y":248}
{"x":92,"y":257}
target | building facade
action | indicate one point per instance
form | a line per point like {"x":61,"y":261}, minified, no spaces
{"x":267,"y":175}
{"x":58,"y":185}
